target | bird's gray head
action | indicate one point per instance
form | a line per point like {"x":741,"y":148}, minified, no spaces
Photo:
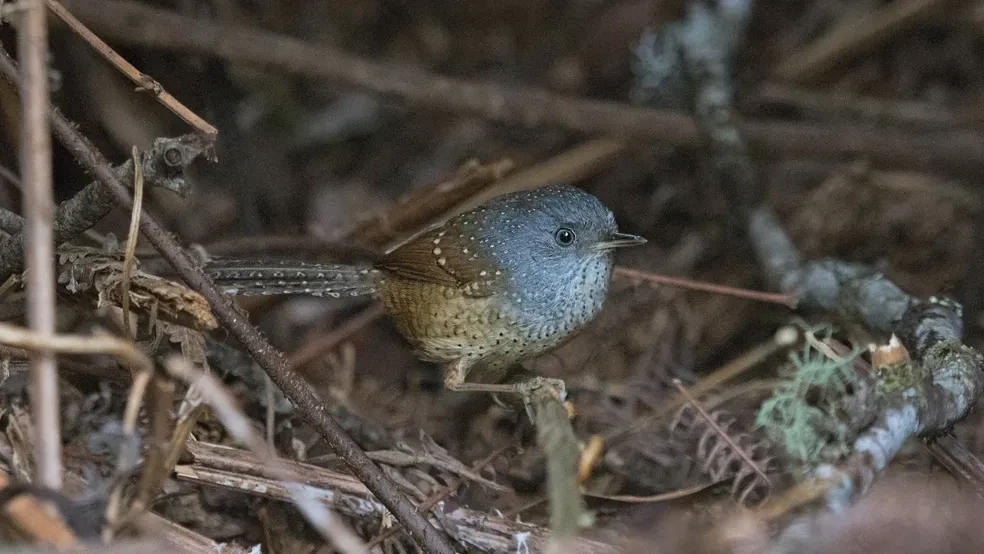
{"x":555,"y":243}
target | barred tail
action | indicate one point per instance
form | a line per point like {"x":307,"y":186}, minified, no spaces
{"x":268,"y":278}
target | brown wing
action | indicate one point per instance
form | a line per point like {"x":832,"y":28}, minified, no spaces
{"x":445,"y":258}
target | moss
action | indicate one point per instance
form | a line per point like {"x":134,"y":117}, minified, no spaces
{"x":895,"y":378}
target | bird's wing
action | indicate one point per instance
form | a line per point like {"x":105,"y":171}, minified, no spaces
{"x":446,"y":258}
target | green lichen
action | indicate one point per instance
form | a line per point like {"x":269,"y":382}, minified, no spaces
{"x":803,"y":414}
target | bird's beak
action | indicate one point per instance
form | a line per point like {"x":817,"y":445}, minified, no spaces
{"x":619,"y":240}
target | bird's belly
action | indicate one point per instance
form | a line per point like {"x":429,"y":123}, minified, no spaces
{"x":444,"y":325}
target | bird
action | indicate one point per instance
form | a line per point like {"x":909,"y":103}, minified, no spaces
{"x":490,"y":288}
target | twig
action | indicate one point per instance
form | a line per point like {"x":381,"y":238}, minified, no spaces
{"x":131,"y":238}
{"x":143,"y":81}
{"x":788,"y":300}
{"x":672,"y":495}
{"x":403,"y":459}
{"x":332,"y":529}
{"x":38,"y":210}
{"x":19,"y":337}
{"x":721,"y":433}
{"x":109,"y":371}
{"x":854,"y":36}
{"x":133,"y":23}
{"x":442,"y":494}
{"x":181,"y":539}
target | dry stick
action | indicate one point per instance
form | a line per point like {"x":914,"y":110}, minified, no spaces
{"x":555,"y":437}
{"x":854,"y":36}
{"x":312,"y":408}
{"x":442,"y":494}
{"x":717,"y":429}
{"x":328,"y":524}
{"x":663,"y":497}
{"x":38,"y":214}
{"x":108,"y":371}
{"x":131,"y":239}
{"x":143,"y":81}
{"x":788,"y":300}
{"x":132,"y":23}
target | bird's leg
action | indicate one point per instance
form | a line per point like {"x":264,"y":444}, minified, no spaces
{"x":456,"y":372}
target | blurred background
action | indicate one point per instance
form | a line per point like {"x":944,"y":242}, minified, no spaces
{"x":307,"y":157}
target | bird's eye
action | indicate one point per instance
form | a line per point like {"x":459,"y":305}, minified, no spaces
{"x":564,"y":236}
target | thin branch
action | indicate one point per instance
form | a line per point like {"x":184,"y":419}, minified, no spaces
{"x":18,"y":337}
{"x":131,"y":239}
{"x":138,"y":24}
{"x":311,"y":407}
{"x":38,"y":211}
{"x":788,"y":300}
{"x":143,"y":81}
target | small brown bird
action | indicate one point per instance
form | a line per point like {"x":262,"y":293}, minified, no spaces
{"x":490,"y":288}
